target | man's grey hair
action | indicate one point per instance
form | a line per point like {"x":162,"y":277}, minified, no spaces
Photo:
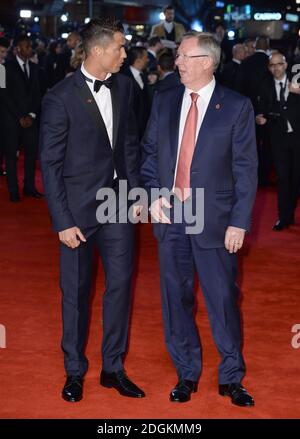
{"x":208,"y":43}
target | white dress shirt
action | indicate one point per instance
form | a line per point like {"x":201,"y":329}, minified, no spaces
{"x":168,"y":26}
{"x":137,"y":76}
{"x":21,"y":63}
{"x":104,"y":103}
{"x":203,"y":100}
{"x":286,"y":94}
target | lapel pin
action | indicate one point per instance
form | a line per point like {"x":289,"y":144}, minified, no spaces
{"x":218,"y":106}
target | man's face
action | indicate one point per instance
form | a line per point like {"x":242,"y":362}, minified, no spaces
{"x":277,"y":66}
{"x":144,"y":60}
{"x":250,"y":49}
{"x":190,"y":69}
{"x":72,"y":41}
{"x":169,"y":15}
{"x":24,"y":49}
{"x":3,"y":53}
{"x":113,"y":54}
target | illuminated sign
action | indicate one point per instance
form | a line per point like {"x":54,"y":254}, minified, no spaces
{"x":267,"y":16}
{"x":292,"y":17}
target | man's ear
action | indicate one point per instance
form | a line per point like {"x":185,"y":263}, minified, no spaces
{"x":97,"y":50}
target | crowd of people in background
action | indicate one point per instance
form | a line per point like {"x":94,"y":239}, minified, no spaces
{"x":251,"y":67}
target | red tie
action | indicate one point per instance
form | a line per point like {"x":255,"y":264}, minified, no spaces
{"x":187,"y":147}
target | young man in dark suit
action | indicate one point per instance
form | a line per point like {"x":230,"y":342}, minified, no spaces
{"x":22,"y":100}
{"x":89,"y":142}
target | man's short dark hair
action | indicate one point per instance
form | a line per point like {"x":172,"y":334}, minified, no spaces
{"x":99,"y":31}
{"x":153,"y":41}
{"x":168,"y":8}
{"x":20,"y":39}
{"x":135,"y":53}
{"x":166,"y":62}
{"x":4,"y":42}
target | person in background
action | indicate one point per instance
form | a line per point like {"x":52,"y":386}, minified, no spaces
{"x":77,"y":58}
{"x":138,"y":62}
{"x":231,"y":69}
{"x":154,"y":47}
{"x":4,"y":45}
{"x":279,"y":112}
{"x":168,"y":76}
{"x":54,"y":49}
{"x":168,"y":29}
{"x":63,"y":60}
{"x":22,"y":97}
{"x":249,"y":44}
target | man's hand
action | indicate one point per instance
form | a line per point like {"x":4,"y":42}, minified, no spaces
{"x":234,"y":239}
{"x":294,"y":88}
{"x":26,"y":121}
{"x":156,"y":210}
{"x":69,"y":237}
{"x":260,"y":119}
{"x":137,"y":210}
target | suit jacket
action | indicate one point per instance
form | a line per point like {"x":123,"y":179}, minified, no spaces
{"x":152,"y":62}
{"x":229,"y":75}
{"x":76,"y":156}
{"x":224,"y":161}
{"x":141,"y":102}
{"x":254,"y":70}
{"x":21,"y":96}
{"x":269,"y":106}
{"x":171,"y":80}
{"x":158,"y":30}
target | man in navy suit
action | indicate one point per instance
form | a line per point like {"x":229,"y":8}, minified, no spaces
{"x":201,"y":135}
{"x":88,"y":142}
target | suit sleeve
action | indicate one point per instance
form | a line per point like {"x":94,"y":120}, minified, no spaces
{"x":149,"y":167}
{"x":244,"y":167}
{"x":53,"y":144}
{"x":132,"y":146}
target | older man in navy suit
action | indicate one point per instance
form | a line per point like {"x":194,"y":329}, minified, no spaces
{"x":88,"y":142}
{"x":201,"y":135}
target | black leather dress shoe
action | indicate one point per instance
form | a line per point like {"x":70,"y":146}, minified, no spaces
{"x":14,"y":197}
{"x":72,"y":391}
{"x":121,"y":383}
{"x":182,"y":391}
{"x":280,"y":225}
{"x":238,"y":394}
{"x":33,"y":193}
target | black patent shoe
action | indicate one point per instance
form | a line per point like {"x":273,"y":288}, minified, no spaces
{"x":72,"y":391}
{"x":183,"y":390}
{"x":238,"y":394}
{"x":120,"y":381}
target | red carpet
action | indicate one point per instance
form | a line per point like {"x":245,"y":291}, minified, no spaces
{"x":31,"y":366}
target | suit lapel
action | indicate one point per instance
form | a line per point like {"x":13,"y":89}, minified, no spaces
{"x":211,"y":116}
{"x":115,"y":93}
{"x":175,"y":105}
{"x":89,"y":103}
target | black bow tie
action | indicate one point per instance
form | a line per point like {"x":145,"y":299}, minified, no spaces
{"x":107,"y":82}
{"x":97,"y":83}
